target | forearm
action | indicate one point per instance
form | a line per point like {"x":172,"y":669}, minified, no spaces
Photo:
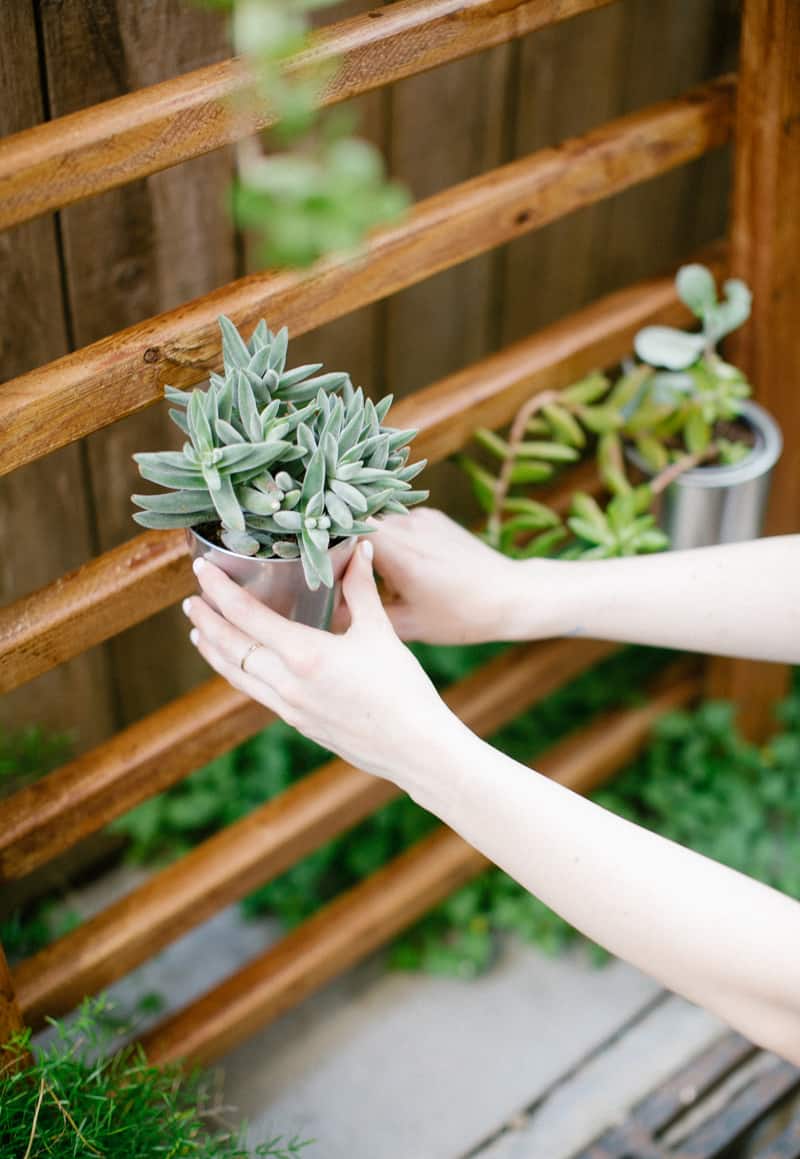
{"x":706,"y":932}
{"x":735,"y":600}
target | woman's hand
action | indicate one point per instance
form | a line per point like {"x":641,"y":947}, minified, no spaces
{"x":361,"y":695}
{"x":447,"y":586}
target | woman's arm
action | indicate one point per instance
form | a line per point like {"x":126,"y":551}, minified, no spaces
{"x":707,"y":932}
{"x":740,"y":599}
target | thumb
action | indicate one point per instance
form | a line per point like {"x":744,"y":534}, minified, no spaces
{"x":359,"y":589}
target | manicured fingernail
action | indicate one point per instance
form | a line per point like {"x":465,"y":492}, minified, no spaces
{"x":198,"y":566}
{"x":367,"y":550}
{"x":187,"y":606}
{"x":194,"y":636}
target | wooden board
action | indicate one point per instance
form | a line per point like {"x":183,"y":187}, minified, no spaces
{"x":129,"y":254}
{"x":572,"y":76}
{"x":135,"y":135}
{"x":765,"y":251}
{"x":44,"y":517}
{"x":447,"y":126}
{"x":124,"y":373}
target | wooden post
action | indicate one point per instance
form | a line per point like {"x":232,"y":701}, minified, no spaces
{"x":765,"y":251}
{"x":10,"y":1017}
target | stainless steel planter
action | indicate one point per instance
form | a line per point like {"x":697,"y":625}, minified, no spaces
{"x":279,"y":583}
{"x":722,"y":504}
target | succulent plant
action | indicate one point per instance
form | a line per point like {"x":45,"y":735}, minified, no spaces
{"x":285,"y":462}
{"x":668,"y":406}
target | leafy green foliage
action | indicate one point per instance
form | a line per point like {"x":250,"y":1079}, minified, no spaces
{"x":669,"y":417}
{"x":316,"y":188}
{"x":29,"y":753}
{"x":80,"y":1098}
{"x":285,"y":462}
{"x":26,"y":754}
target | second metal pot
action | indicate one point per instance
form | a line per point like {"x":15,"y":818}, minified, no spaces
{"x":280,"y":584}
{"x":722,"y":504}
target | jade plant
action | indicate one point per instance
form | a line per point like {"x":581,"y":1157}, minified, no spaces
{"x":677,"y":408}
{"x":279,"y":464}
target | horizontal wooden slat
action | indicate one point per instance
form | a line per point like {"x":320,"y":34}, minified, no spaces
{"x":107,"y":145}
{"x":93,"y":603}
{"x":365,"y":917}
{"x":270,"y":839}
{"x":125,"y":372}
{"x":120,"y":588}
{"x":51,"y":815}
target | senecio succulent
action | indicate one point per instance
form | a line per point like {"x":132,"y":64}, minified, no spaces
{"x":284,"y":462}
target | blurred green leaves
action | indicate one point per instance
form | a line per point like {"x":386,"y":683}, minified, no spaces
{"x":306,"y":187}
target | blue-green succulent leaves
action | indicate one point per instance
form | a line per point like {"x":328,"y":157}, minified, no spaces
{"x":285,"y":461}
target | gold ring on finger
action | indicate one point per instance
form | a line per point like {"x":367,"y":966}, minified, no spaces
{"x":250,"y":650}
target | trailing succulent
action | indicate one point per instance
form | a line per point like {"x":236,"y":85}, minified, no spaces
{"x":671,"y":408}
{"x":284,"y":462}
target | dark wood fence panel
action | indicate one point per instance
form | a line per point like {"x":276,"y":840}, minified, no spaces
{"x":574,"y":76}
{"x":446,"y":126}
{"x":131,"y":253}
{"x":45,"y":521}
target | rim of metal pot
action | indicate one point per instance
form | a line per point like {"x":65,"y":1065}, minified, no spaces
{"x":762,"y":458}
{"x":256,"y":558}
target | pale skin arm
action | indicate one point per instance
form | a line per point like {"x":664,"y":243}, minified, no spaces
{"x":720,"y":939}
{"x":740,"y":599}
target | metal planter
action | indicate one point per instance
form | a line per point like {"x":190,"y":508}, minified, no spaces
{"x":712,"y":505}
{"x":280,"y":584}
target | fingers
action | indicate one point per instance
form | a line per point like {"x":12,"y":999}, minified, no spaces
{"x":359,"y":589}
{"x":245,"y":612}
{"x":250,"y":685}
{"x":403,"y":619}
{"x":231,"y":645}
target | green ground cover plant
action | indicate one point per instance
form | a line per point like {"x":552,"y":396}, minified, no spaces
{"x":81,"y":1095}
{"x":698,"y":783}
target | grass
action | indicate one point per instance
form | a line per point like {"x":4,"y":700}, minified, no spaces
{"x":79,"y":1097}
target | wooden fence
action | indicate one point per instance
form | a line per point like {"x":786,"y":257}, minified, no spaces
{"x":44,"y":412}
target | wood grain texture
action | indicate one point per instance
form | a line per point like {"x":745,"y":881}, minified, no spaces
{"x":45,"y":519}
{"x":105,"y":596}
{"x":151,"y":571}
{"x":125,"y":372}
{"x":765,"y":251}
{"x":161,"y":125}
{"x":77,"y":799}
{"x":270,"y":839}
{"x":628,"y":56}
{"x":447,"y":126}
{"x":128,"y":255}
{"x":365,"y":917}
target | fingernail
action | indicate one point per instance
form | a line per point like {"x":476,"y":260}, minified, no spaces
{"x":186,"y":605}
{"x":194,"y":636}
{"x":367,"y":550}
{"x":198,"y":566}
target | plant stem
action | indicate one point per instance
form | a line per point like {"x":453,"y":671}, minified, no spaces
{"x":685,"y":463}
{"x":516,"y":436}
{"x":35,"y":1120}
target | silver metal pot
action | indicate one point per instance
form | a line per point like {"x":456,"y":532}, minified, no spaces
{"x":722,"y":504}
{"x":279,"y":583}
